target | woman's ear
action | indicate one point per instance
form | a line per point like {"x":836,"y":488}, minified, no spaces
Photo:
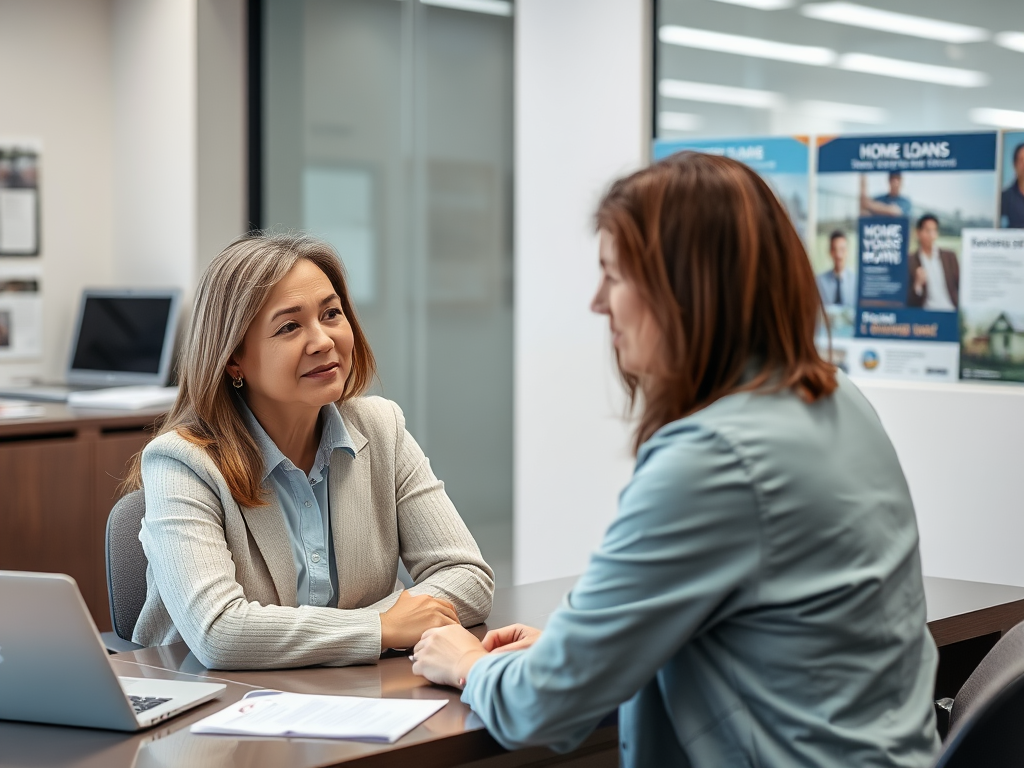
{"x":232,"y":368}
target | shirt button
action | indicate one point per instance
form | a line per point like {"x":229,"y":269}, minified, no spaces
{"x":308,"y":504}
{"x":312,"y":481}
{"x":315,"y":557}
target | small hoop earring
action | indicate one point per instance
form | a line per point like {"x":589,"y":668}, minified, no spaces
{"x":238,"y":382}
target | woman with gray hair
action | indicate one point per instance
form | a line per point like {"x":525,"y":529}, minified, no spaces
{"x":278,"y":500}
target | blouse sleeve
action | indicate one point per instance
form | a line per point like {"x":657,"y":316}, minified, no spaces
{"x":436,"y":547}
{"x":675,"y":559}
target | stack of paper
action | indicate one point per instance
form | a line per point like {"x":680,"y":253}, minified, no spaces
{"x":20,"y":409}
{"x":124,"y":398}
{"x":273,"y":713}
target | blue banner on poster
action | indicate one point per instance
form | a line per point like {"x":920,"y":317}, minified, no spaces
{"x":882,"y":281}
{"x":767,"y":155}
{"x":947,"y":152}
{"x":907,"y":325}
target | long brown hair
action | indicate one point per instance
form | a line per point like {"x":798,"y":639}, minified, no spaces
{"x":231,"y":292}
{"x":715,"y":257}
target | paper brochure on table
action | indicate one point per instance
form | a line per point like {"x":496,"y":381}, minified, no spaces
{"x":273,"y":713}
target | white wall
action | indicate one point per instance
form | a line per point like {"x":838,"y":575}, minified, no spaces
{"x":179,"y":137}
{"x":581,"y":106}
{"x":155,"y":96}
{"x":580,"y":122}
{"x":960,"y":448}
{"x":220,"y":192}
{"x":56,"y":60}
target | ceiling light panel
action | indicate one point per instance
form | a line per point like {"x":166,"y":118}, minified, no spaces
{"x":1000,"y":118}
{"x":856,"y":15}
{"x":746,"y":46}
{"x":1012,"y":40}
{"x":761,"y":5}
{"x":912,"y":70}
{"x":492,"y":7}
{"x":718,"y":94}
{"x":847,"y":113}
{"x":679,"y":121}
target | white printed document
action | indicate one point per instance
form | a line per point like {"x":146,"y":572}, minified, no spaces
{"x":273,"y":713}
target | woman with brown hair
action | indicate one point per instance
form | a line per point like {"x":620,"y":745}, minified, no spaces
{"x":279,"y":501}
{"x":758,"y":599}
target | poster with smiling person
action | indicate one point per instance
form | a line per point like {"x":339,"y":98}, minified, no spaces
{"x":897,"y":207}
{"x":1011,"y":197}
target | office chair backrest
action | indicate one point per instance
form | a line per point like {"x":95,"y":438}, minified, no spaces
{"x":126,"y":563}
{"x":985,"y":727}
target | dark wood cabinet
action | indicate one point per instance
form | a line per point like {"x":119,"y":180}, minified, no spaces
{"x":58,"y":480}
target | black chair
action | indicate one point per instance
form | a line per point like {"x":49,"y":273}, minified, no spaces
{"x":126,"y":570}
{"x":986,"y":719}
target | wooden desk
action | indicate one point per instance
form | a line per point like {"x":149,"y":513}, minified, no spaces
{"x":58,"y":476}
{"x":967,"y":618}
{"x":454,"y":736}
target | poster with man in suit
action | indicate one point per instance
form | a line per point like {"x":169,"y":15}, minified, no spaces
{"x":934,"y":282}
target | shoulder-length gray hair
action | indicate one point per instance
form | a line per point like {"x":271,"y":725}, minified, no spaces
{"x":231,"y":292}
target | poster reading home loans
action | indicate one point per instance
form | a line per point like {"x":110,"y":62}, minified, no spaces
{"x":887,"y":252}
{"x":782,"y":161}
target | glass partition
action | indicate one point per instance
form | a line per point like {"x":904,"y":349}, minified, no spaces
{"x":760,"y":67}
{"x":387,"y":130}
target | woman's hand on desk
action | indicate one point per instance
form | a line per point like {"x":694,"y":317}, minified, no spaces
{"x":445,"y":656}
{"x":514,"y":637}
{"x":411,"y":615}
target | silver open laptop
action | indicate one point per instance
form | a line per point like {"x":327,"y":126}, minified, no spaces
{"x":54,"y":668}
{"x":122,"y":337}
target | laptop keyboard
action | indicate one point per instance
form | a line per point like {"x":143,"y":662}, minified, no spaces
{"x":142,"y":703}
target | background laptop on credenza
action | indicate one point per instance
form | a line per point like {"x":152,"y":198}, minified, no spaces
{"x":122,"y":337}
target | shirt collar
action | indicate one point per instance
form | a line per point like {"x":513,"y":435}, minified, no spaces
{"x":334,"y":434}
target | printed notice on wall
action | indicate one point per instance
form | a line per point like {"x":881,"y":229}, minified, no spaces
{"x":19,"y":197}
{"x":992,"y":307}
{"x":21,"y":313}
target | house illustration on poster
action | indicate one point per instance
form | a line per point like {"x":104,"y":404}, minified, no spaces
{"x":1006,"y":337}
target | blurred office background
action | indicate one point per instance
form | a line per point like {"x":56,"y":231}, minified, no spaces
{"x":454,"y":152}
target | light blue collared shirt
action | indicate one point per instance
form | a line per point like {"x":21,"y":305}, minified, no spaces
{"x":757,"y":601}
{"x":305,"y":504}
{"x":827,"y":282}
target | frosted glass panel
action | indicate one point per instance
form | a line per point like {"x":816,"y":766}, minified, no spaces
{"x":337,"y":205}
{"x":388,"y":132}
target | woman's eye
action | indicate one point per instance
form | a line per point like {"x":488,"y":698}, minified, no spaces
{"x":286,"y":328}
{"x":333,"y":313}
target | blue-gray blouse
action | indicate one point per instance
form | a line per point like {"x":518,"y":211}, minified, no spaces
{"x":757,"y":601}
{"x":305,"y":504}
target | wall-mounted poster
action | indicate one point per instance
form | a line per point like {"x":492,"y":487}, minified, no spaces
{"x":992,"y":305}
{"x":782,"y":161}
{"x":1011,"y":196}
{"x":21,"y":313}
{"x":890,"y":212}
{"x":19,"y":197}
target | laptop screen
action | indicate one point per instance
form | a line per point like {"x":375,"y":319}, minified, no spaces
{"x":124,"y":337}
